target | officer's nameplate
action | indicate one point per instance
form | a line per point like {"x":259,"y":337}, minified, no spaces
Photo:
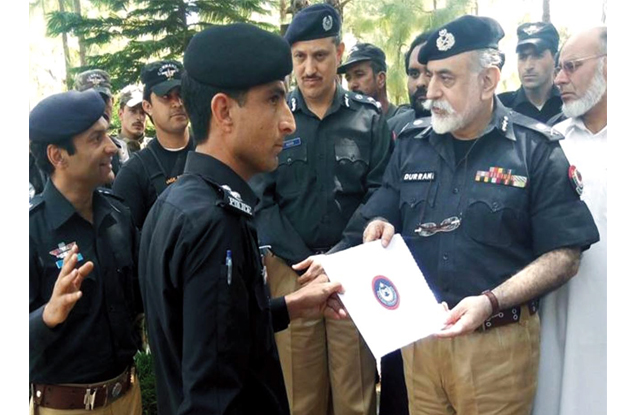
{"x":428,"y":176}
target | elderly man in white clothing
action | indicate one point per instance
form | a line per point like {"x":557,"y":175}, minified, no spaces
{"x":573,"y":363}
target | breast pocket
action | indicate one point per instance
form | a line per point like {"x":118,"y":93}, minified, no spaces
{"x":352,"y":164}
{"x":415,"y":199}
{"x":292,"y":170}
{"x":495,"y":221}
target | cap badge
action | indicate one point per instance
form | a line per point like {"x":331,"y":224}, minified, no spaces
{"x":95,"y":79}
{"x":168,"y":71}
{"x":445,"y":40}
{"x":354,"y":49}
{"x":530,"y":30}
{"x":327,"y":23}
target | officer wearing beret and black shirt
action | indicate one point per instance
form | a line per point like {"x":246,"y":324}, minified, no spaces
{"x":365,"y":72}
{"x":330,"y":165}
{"x":83,"y":287}
{"x":145,"y":175}
{"x":538,"y":97}
{"x":209,"y":318}
{"x":489,"y":207}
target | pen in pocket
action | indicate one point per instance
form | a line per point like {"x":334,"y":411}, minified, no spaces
{"x":229,"y":265}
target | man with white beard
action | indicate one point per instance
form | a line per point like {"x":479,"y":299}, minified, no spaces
{"x":484,"y":203}
{"x":573,"y":366}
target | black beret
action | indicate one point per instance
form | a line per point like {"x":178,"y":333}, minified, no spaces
{"x":540,"y":35}
{"x":314,"y":22}
{"x":237,"y":56}
{"x":364,"y":52}
{"x":162,"y":76}
{"x":464,"y":34}
{"x":62,"y":116}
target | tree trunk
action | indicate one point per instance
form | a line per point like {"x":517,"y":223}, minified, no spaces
{"x":68,"y":64}
{"x":81,"y":43}
{"x":546,"y":11}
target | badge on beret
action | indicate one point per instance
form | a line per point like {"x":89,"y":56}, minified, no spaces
{"x":61,"y":252}
{"x":327,"y":23}
{"x":576,"y":180}
{"x":530,"y":30}
{"x":445,"y":40}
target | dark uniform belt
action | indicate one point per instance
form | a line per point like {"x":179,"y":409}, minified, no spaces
{"x":509,"y":315}
{"x":88,"y":397}
{"x":320,"y":251}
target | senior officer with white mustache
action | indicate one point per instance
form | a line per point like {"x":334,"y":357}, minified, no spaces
{"x":484,"y":201}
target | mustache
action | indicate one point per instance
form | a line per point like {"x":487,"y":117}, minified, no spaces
{"x":420,"y":92}
{"x":438,"y":104}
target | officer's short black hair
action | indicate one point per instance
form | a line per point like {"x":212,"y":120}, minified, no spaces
{"x":197,"y":98}
{"x":40,"y":152}
{"x":419,"y":40}
{"x":377,"y":67}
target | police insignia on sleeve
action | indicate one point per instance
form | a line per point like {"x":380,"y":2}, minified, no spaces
{"x":499,"y":175}
{"x":61,"y":252}
{"x":233,"y":201}
{"x":385,"y":292}
{"x":576,"y":180}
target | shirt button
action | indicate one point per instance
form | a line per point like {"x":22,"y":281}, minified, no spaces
{"x":445,"y":257}
{"x":455,"y":191}
{"x":495,"y":205}
{"x":289,"y":160}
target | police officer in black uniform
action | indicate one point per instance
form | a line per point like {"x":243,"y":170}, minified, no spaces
{"x":490,"y":209}
{"x":537,"y":97}
{"x":209,"y":319}
{"x":159,"y":164}
{"x":83,"y":287}
{"x":330,"y":165}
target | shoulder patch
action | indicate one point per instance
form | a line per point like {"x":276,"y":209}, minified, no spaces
{"x":362,"y":99}
{"x":231,"y":200}
{"x":414,"y":128}
{"x":548,"y":132}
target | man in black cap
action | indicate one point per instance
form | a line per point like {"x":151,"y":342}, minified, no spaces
{"x":330,"y":165}
{"x":538,"y":97}
{"x":132,"y":119}
{"x":486,"y":204}
{"x":365,"y":72}
{"x":209,"y":319}
{"x":417,"y":83}
{"x":100,"y":81}
{"x":83,"y":287}
{"x":145,"y":176}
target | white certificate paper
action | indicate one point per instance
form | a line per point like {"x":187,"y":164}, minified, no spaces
{"x":386,"y":294}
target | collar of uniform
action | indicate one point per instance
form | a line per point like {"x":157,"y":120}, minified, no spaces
{"x":500,"y":120}
{"x":218,"y":172}
{"x":59,"y":210}
{"x":127,"y":139}
{"x":520,"y":96}
{"x":297,"y":101}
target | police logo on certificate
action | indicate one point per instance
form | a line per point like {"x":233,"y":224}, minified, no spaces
{"x":385,"y":292}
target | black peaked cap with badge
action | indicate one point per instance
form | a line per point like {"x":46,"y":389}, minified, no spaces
{"x":221,"y":57}
{"x":62,"y":116}
{"x":464,"y":34}
{"x":362,"y":52}
{"x":314,"y":22}
{"x":540,"y":35}
{"x":162,"y":76}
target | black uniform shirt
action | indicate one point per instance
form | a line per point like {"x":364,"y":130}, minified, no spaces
{"x":99,"y":339}
{"x":211,"y":333}
{"x":134,"y":183}
{"x":518,"y":101}
{"x":512,"y":193}
{"x":327,"y":169}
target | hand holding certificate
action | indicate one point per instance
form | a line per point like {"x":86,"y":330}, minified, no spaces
{"x":386,"y":294}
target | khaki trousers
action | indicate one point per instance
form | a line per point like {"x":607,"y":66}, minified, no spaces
{"x":129,"y":404}
{"x":327,"y":367}
{"x":485,"y":372}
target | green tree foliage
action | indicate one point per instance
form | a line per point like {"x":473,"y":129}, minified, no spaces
{"x":146,"y":30}
{"x":393,"y":24}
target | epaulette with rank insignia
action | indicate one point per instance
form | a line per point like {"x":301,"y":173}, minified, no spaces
{"x":352,"y":96}
{"x":415,"y":128}
{"x":549,"y":132}
{"x":424,"y":133}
